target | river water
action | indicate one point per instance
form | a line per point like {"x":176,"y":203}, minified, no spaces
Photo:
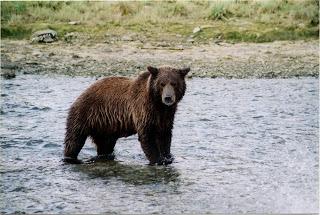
{"x":240,"y":146}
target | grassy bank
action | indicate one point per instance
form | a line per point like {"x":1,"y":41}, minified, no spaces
{"x":233,"y":20}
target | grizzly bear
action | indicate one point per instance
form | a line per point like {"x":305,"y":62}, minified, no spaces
{"x":117,"y":107}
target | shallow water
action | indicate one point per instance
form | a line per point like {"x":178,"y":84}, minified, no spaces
{"x":240,"y":146}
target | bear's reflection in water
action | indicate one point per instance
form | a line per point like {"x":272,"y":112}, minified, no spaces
{"x":132,"y":174}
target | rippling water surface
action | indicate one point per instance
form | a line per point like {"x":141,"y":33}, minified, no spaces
{"x":240,"y":146}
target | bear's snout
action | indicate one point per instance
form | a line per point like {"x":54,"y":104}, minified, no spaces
{"x":168,"y":95}
{"x":168,"y":99}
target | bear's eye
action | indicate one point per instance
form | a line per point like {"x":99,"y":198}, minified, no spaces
{"x":174,"y":84}
{"x":162,"y":84}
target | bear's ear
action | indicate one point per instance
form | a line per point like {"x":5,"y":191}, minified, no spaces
{"x":153,"y":70}
{"x":183,"y":72}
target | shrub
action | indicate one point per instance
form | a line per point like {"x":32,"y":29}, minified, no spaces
{"x":219,"y":11}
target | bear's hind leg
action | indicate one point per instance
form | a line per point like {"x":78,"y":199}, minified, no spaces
{"x":149,"y":147}
{"x":72,"y":146}
{"x":105,"y":146}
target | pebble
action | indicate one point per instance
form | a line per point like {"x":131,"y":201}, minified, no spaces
{"x":74,"y":23}
{"x":196,"y":30}
{"x":8,"y":74}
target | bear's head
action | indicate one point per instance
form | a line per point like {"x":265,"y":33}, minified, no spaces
{"x":168,"y":84}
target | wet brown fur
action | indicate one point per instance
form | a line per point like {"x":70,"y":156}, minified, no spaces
{"x":119,"y":107}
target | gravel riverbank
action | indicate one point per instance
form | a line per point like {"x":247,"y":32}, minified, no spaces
{"x":283,"y":59}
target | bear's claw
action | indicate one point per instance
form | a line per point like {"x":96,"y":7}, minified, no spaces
{"x":101,"y":158}
{"x":165,"y":160}
{"x":70,"y":160}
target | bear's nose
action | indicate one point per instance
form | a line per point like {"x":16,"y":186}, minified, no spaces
{"x":168,"y":99}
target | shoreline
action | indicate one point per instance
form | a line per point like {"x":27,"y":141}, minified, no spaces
{"x":280,"y":59}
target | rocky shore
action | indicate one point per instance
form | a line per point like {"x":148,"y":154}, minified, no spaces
{"x":283,"y":59}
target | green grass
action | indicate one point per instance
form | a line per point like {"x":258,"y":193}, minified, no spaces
{"x":230,"y":20}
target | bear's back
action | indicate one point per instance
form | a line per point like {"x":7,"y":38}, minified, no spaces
{"x":104,"y":107}
{"x":111,"y":84}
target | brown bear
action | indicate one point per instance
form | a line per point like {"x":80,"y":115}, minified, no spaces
{"x":117,"y":107}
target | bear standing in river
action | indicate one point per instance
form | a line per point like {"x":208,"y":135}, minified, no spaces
{"x":119,"y":107}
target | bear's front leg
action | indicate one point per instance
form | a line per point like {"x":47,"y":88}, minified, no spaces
{"x":163,"y":141}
